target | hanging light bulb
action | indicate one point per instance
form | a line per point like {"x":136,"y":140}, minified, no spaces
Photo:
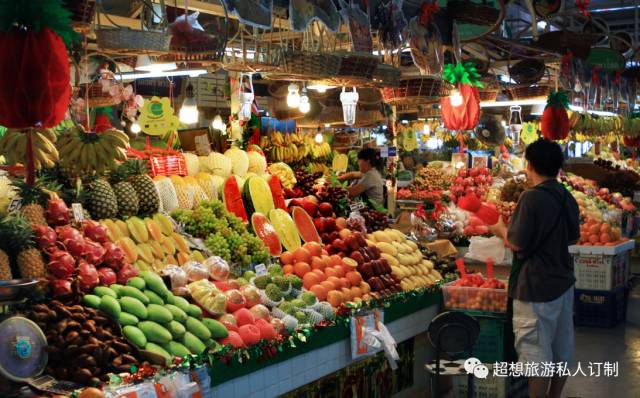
{"x":320,"y":88}
{"x":135,"y":128}
{"x":515,"y":123}
{"x":426,"y":130}
{"x":319,"y":138}
{"x":305,"y":106}
{"x":455,"y":97}
{"x":349,"y":101}
{"x":218,"y":124}
{"x":246,"y":99}
{"x":189,"y":110}
{"x":293,"y":98}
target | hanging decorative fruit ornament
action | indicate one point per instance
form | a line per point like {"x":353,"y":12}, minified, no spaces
{"x":461,"y":109}
{"x":34,"y":86}
{"x":554,"y":122}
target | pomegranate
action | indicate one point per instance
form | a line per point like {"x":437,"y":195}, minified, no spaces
{"x":61,"y":264}
{"x":95,"y":231}
{"x":45,"y":236}
{"x":126,"y":272}
{"x":107,"y":276}
{"x":113,"y":255}
{"x":61,"y":288}
{"x":87,"y":276}
{"x":93,"y":252}
{"x":72,"y":240}
{"x":57,"y":212}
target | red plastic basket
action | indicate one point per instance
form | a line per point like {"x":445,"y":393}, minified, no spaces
{"x":165,"y":162}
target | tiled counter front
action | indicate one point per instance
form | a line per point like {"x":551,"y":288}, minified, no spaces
{"x":278,"y":378}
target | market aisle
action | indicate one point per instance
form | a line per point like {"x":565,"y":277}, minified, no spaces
{"x":621,"y":344}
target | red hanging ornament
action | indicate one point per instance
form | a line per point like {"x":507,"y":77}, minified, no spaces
{"x":554,"y":122}
{"x":34,"y":85}
{"x":583,"y":7}
{"x":461,"y":113}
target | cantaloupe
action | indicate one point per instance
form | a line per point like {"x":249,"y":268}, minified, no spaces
{"x":239,"y":161}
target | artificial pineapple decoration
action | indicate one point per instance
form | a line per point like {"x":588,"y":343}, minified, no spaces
{"x":126,"y":195}
{"x":32,"y":198}
{"x":16,"y":236}
{"x":148,"y":199}
{"x":102,"y":200}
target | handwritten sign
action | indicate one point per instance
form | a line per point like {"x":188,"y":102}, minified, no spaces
{"x":203,"y":146}
{"x":261,"y":269}
{"x":78,"y":214}
{"x":359,"y":325}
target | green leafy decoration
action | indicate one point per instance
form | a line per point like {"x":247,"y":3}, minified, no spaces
{"x":35,"y":15}
{"x":558,"y":99}
{"x":462,"y":73}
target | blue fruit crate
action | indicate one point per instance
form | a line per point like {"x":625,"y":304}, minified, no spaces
{"x":602,"y":309}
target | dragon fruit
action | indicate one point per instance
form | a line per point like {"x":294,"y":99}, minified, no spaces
{"x":113,"y":256}
{"x":95,"y":231}
{"x":87,"y":276}
{"x":61,"y":264}
{"x":126,"y":272}
{"x":93,"y":252}
{"x":107,"y":276}
{"x":57,"y":212}
{"x":60,"y":288}
{"x":72,"y":240}
{"x":45,"y":236}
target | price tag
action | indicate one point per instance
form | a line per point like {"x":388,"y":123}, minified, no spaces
{"x":384,"y":151}
{"x":359,"y":325}
{"x":78,"y":214}
{"x":356,"y":206}
{"x":260,"y":269}
{"x":203,"y":147}
{"x":392,"y":151}
{"x":14,"y":205}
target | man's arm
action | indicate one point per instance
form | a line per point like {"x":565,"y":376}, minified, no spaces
{"x":500,"y":230}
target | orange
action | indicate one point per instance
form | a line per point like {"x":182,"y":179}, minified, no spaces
{"x":365,"y":288}
{"x":320,"y":274}
{"x":302,"y":255}
{"x":356,"y":292}
{"x":349,"y":262}
{"x":319,"y":291}
{"x":339,"y":270}
{"x":328,"y":285}
{"x":346,"y":294}
{"x":317,"y":263}
{"x":334,"y":298}
{"x":286,"y":258}
{"x":336,"y":282}
{"x":605,"y":238}
{"x":309,"y":280}
{"x":594,"y":229}
{"x":345,"y":282}
{"x":287,"y":269}
{"x":301,"y":268}
{"x":314,"y":248}
{"x":593,"y":239}
{"x":354,"y":278}
{"x":335,"y":259}
{"x":331,"y":272}
{"x":341,"y":223}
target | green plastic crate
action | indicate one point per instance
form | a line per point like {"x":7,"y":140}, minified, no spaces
{"x":490,"y":346}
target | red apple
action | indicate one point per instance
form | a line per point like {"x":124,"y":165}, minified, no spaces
{"x":325,"y":209}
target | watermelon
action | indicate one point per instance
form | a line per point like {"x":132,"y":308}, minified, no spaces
{"x":267,"y":234}
{"x":277,"y":193}
{"x":233,"y":198}
{"x":285,"y":229}
{"x":257,"y":196}
{"x":304,"y":223}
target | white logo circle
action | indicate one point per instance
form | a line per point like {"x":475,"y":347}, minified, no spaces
{"x":481,"y":371}
{"x":470,"y":364}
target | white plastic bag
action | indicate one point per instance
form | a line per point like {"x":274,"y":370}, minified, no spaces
{"x":481,"y":249}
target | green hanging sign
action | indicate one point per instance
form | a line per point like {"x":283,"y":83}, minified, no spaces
{"x":606,"y":58}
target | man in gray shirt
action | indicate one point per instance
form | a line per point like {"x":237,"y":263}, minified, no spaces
{"x":545,"y":223}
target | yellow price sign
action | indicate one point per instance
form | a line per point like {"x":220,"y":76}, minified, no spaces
{"x":157,"y":117}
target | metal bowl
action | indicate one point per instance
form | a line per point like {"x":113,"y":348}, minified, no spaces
{"x":16,"y":288}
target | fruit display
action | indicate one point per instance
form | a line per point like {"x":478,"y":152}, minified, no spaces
{"x":511,"y":190}
{"x":83,"y":153}
{"x":284,"y":173}
{"x":594,"y":233}
{"x":304,"y":185}
{"x":13,"y":146}
{"x":375,"y":220}
{"x":337,"y":196}
{"x":476,"y":180}
{"x":18,"y":241}
{"x":153,"y":319}
{"x":286,"y":229}
{"x":330,"y":278}
{"x":257,"y":196}
{"x":623,"y":181}
{"x":83,"y":345}
{"x":431,"y":178}
{"x":405,"y":259}
{"x":294,"y":147}
{"x":473,"y":296}
{"x":150,"y":243}
{"x":224,"y":234}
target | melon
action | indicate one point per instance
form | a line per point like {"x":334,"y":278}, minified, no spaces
{"x":255,"y":148}
{"x":257,"y":196}
{"x":233,"y":198}
{"x":257,"y":162}
{"x":267,"y":234}
{"x":218,"y":164}
{"x":277,"y":193}
{"x":305,"y":226}
{"x":340,"y":162}
{"x":285,"y":229}
{"x":239,"y":161}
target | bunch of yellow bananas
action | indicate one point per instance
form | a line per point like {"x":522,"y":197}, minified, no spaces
{"x":13,"y":146}
{"x":92,"y":153}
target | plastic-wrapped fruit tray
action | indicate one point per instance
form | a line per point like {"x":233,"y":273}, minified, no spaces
{"x":474,"y":298}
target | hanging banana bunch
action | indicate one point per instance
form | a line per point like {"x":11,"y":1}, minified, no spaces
{"x":14,"y":147}
{"x":90,"y":153}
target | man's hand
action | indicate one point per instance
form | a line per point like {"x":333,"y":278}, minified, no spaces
{"x":499,"y":229}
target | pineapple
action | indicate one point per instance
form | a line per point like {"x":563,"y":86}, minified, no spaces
{"x":125,"y":194}
{"x":102,"y":200}
{"x":5,"y":266}
{"x":16,"y":236}
{"x":32,"y":198}
{"x":149,"y":202}
{"x":7,"y":192}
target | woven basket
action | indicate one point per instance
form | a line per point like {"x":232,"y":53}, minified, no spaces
{"x":96,"y":97}
{"x":386,"y":76}
{"x":490,"y":90}
{"x":128,"y":41}
{"x":82,"y":11}
{"x":417,"y":90}
{"x":473,"y":13}
{"x":528,"y":71}
{"x":306,"y":65}
{"x":357,"y":66}
{"x":526,"y":91}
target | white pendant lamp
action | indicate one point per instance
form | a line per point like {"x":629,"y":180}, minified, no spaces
{"x":293,"y":97}
{"x":455,"y":97}
{"x":218,"y":124}
{"x":189,"y":110}
{"x":349,"y":101}
{"x":305,"y":106}
{"x":246,"y":98}
{"x":144,"y":64}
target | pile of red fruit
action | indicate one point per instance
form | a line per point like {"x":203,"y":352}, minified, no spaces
{"x":477,"y":181}
{"x":247,"y":326}
{"x":82,"y":257}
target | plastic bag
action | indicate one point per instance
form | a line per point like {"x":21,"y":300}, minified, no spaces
{"x":178,"y":278}
{"x":218,"y":268}
{"x":195,"y":271}
{"x":481,"y":249}
{"x":356,"y":222}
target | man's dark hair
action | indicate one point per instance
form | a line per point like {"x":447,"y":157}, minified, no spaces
{"x":545,"y":157}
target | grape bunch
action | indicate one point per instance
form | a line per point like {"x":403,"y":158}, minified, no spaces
{"x":375,"y":220}
{"x":338,"y":197}
{"x":218,"y":246}
{"x":305,"y":182}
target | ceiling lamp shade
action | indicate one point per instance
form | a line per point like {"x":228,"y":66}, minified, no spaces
{"x":144,"y":64}
{"x":189,"y":111}
{"x":349,"y":101}
{"x":293,"y":97}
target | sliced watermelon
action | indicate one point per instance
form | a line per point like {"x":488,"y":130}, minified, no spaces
{"x":267,"y":234}
{"x":233,"y":198}
{"x":304,"y":223}
{"x":277,"y":193}
{"x":285,"y":229}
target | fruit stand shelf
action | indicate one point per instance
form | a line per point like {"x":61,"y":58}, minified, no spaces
{"x":327,"y":350}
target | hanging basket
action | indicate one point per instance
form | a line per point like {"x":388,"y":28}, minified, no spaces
{"x":256,"y":54}
{"x":528,"y":71}
{"x":563,"y":41}
{"x":490,"y":91}
{"x":82,"y":12}
{"x":526,"y":91}
{"x":386,"y":75}
{"x":205,"y":48}
{"x":307,"y":65}
{"x":356,"y":67}
{"x":96,"y":97}
{"x":417,"y":90}
{"x":473,"y":13}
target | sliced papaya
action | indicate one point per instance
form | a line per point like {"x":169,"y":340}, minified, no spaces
{"x":267,"y":234}
{"x":304,"y":224}
{"x":285,"y":229}
{"x":233,"y":198}
{"x":277,"y":193}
